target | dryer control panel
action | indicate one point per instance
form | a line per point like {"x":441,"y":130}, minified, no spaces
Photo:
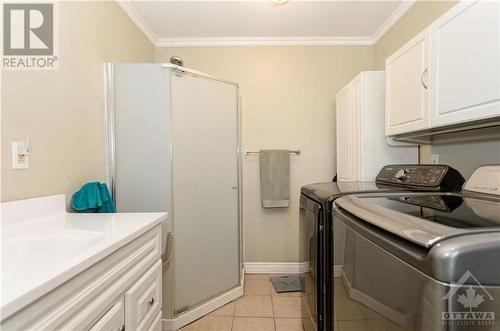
{"x":421,"y":176}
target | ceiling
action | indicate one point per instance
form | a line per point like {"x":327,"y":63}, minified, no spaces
{"x":205,"y":23}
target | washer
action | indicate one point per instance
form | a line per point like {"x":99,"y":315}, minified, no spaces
{"x":427,"y":261}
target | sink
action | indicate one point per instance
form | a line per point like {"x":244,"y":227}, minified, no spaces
{"x":38,"y":253}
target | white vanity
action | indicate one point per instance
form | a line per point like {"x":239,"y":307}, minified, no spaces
{"x":64,"y":271}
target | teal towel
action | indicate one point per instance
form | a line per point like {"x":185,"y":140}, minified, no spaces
{"x":93,"y":198}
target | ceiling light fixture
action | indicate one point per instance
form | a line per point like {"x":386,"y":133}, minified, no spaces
{"x":278,"y":3}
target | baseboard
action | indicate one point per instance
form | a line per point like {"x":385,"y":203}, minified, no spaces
{"x":377,"y":306}
{"x":204,"y":309}
{"x":285,"y":268}
{"x":276,"y":267}
{"x":338,"y":270}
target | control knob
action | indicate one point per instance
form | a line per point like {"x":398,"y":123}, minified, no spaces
{"x":402,"y":175}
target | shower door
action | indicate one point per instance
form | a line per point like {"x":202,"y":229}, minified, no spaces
{"x":204,"y":210}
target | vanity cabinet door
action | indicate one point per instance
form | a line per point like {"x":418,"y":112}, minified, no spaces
{"x":113,"y":319}
{"x":407,"y":87}
{"x":143,"y":300}
{"x":466,"y":63}
{"x":156,"y":325}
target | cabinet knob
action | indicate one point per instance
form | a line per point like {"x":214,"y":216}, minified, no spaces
{"x":122,"y":328}
{"x":151,"y":301}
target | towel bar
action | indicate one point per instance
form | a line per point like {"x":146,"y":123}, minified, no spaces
{"x":248,"y":151}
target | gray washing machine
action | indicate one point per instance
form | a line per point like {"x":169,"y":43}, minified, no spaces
{"x":427,"y":261}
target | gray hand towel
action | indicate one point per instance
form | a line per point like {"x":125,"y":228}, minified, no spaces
{"x":274,"y":178}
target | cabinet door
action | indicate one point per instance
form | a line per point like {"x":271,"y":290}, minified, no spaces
{"x":143,"y":299}
{"x":466,"y":63}
{"x":407,"y":100}
{"x":156,"y":325}
{"x":343,"y":135}
{"x":355,"y":130}
{"x":113,"y":319}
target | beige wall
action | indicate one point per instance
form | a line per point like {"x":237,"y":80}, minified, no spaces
{"x":288,"y":101}
{"x":415,"y":20}
{"x":62,"y":111}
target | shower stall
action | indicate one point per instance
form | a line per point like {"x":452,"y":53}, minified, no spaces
{"x":173,"y":140}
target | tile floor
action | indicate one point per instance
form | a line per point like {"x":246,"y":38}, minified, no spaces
{"x":262,"y":309}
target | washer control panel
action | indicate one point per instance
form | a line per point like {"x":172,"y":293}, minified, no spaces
{"x":434,"y":177}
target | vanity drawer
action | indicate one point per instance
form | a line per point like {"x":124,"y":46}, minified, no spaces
{"x":143,"y":299}
{"x":113,"y":319}
{"x":156,"y":325}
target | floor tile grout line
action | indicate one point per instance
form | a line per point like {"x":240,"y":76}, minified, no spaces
{"x":234,"y":312}
{"x":272,"y":305}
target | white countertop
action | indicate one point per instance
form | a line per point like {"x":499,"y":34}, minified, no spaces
{"x":42,"y":246}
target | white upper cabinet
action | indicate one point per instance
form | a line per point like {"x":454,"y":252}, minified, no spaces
{"x":407,"y":94}
{"x":465,"y":63}
{"x":448,"y":74}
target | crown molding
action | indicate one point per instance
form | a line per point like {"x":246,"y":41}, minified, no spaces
{"x":262,"y":41}
{"x":395,"y":16}
{"x":132,"y":13}
{"x":392,"y":19}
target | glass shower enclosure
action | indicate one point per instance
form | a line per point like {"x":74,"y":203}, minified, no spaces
{"x":173,"y":144}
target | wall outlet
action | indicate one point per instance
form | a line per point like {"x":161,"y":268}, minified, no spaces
{"x":20,"y":154}
{"x":435,"y":158}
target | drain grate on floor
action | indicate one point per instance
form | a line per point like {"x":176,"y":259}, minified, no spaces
{"x":288,"y":283}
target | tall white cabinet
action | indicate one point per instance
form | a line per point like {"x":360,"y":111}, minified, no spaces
{"x":362,"y":148}
{"x":174,"y":144}
{"x":344,"y":136}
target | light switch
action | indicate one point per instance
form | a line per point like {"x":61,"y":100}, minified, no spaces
{"x":20,"y":154}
